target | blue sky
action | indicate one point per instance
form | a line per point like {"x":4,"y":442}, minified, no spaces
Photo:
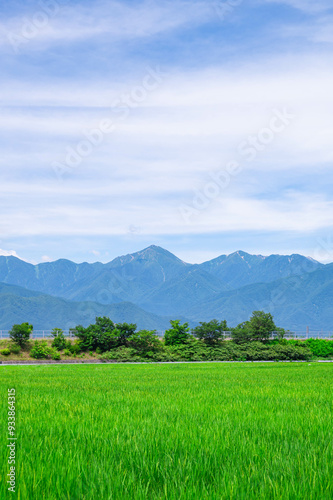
{"x":201,"y":126}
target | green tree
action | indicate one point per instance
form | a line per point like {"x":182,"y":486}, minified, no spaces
{"x":258,"y":328}
{"x":59,"y":340}
{"x":124,"y":331}
{"x":104,"y":335}
{"x":20,"y":334}
{"x":99,"y":335}
{"x":145,"y":342}
{"x":178,"y":334}
{"x":210,"y":332}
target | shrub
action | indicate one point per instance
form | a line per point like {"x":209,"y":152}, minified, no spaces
{"x":59,"y":340}
{"x":15,"y":349}
{"x":145,"y":342}
{"x":178,"y":334}
{"x":40,"y":350}
{"x":121,"y":354}
{"x":56,"y":356}
{"x":320,"y":348}
{"x":210,"y":332}
{"x":67,"y":352}
{"x":5,"y":352}
{"x":193,"y":350}
{"x":20,"y":334}
{"x":75,"y":348}
{"x":104,"y":334}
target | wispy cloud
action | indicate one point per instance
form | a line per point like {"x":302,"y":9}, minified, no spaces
{"x":116,"y":21}
{"x":224,"y":79}
{"x":308,"y":6}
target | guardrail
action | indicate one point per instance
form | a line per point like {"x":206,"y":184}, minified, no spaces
{"x":39,"y":334}
{"x":300,"y":335}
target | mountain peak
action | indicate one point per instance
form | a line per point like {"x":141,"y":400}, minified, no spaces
{"x":151,"y":253}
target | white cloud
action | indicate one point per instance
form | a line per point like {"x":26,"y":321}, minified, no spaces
{"x":308,"y":6}
{"x":9,"y":253}
{"x":114,"y":21}
{"x":46,"y":258}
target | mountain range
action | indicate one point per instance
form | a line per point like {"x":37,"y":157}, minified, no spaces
{"x":152,"y":286}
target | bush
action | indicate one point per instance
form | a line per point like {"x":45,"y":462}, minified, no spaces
{"x":75,"y":348}
{"x":104,"y":334}
{"x":210,"y":332}
{"x":320,"y":348}
{"x":59,"y":340}
{"x":40,"y":350}
{"x":178,"y":334}
{"x":145,"y":342}
{"x":5,"y":352}
{"x":20,"y":334}
{"x":121,"y":354}
{"x":193,"y":350}
{"x":67,"y":352}
{"x":56,"y":356}
{"x":15,"y":349}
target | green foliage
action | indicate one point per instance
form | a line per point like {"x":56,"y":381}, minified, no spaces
{"x":20,"y":334}
{"x":67,"y":352}
{"x":210,"y":332}
{"x":121,"y":354}
{"x":41,"y":350}
{"x":15,"y":348}
{"x":142,"y":346}
{"x":145,"y":342}
{"x":104,"y":334}
{"x":59,"y":340}
{"x":124,"y":331}
{"x":56,"y":356}
{"x":320,"y":348}
{"x":197,"y":350}
{"x":178,"y":334}
{"x":258,"y":328}
{"x":5,"y":352}
{"x":75,"y":348}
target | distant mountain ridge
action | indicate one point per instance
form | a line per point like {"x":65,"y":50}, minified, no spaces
{"x":160,"y":284}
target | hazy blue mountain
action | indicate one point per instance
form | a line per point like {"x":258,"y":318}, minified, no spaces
{"x":152,"y":276}
{"x":130,"y":277}
{"x":240,"y":268}
{"x":157,"y":281}
{"x":177,"y":294}
{"x":44,"y":312}
{"x":295,"y":302}
{"x":53,"y":278}
{"x":126,"y":278}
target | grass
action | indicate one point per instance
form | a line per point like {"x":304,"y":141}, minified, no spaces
{"x":188,"y":431}
{"x":24,"y":354}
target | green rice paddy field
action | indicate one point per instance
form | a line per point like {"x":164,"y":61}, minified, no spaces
{"x":178,"y":431}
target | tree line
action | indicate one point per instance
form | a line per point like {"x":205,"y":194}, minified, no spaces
{"x":105,"y":335}
{"x":248,"y":341}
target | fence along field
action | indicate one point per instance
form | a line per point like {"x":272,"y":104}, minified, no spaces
{"x":44,"y":334}
{"x":187,"y":432}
